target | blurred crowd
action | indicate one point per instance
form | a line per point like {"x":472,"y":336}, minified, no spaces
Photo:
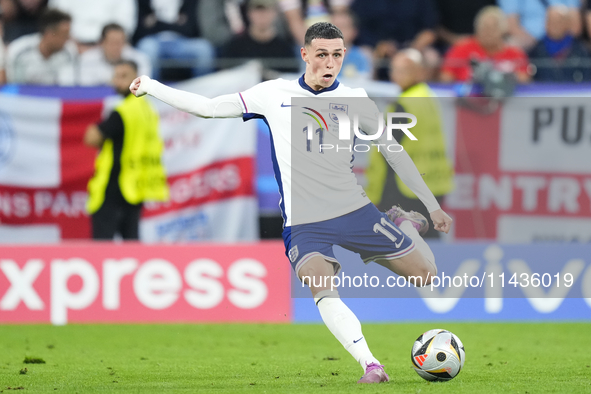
{"x":77,"y":42}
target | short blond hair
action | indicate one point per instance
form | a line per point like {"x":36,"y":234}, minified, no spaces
{"x":414,"y":55}
{"x":495,"y":11}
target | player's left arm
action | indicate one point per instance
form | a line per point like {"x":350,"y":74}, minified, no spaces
{"x":225,"y":106}
{"x":406,"y":169}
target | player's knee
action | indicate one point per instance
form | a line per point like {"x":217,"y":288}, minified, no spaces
{"x":423,"y":275}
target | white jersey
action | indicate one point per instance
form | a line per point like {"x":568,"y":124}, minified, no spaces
{"x":313,"y":186}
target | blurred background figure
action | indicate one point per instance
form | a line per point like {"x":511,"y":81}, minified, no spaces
{"x":384,"y":187}
{"x":526,"y":19}
{"x":587,"y":14}
{"x":2,"y":69}
{"x":357,"y":63}
{"x":386,"y":26}
{"x":169,"y":29}
{"x":487,"y":45}
{"x":89,"y":17}
{"x":45,"y":58}
{"x":20,"y":17}
{"x":96,"y":64}
{"x":128,"y":169}
{"x":220,"y":20}
{"x":456,"y":19}
{"x":558,"y":56}
{"x":301,"y":14}
{"x":261,"y":40}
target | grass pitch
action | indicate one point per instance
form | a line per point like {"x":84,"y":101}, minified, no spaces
{"x":500,"y":358}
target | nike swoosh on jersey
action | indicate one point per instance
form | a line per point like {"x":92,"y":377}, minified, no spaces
{"x":287,"y":105}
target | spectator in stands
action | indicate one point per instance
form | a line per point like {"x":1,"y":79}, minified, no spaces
{"x":387,"y":26}
{"x":559,"y":56}
{"x":526,"y":19}
{"x":261,"y":41}
{"x":487,"y":44}
{"x":128,"y":169}
{"x":301,"y":14}
{"x":96,"y":64}
{"x":357,"y":63}
{"x":20,"y":17}
{"x":89,"y":17}
{"x":2,"y":66}
{"x":456,"y":19}
{"x":220,"y":20}
{"x":587,"y":14}
{"x":2,"y":70}
{"x":169,"y":30}
{"x":45,"y":58}
{"x":384,"y":187}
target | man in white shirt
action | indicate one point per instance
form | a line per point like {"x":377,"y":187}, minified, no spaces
{"x":47,"y":58}
{"x":97,"y":64}
{"x":339,"y":211}
{"x":89,"y":17}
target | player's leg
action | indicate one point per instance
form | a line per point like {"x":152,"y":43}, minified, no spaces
{"x":340,"y":320}
{"x":419,"y":265}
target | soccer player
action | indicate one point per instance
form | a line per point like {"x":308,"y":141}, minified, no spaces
{"x":342,"y":213}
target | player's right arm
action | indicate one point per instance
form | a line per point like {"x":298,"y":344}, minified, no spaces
{"x":225,"y":106}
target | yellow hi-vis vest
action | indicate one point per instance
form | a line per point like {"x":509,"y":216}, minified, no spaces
{"x":428,"y":152}
{"x":142,"y":177}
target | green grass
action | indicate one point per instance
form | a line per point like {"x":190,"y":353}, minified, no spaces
{"x":500,"y":358}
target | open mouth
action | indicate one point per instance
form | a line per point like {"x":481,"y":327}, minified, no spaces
{"x":327,"y":77}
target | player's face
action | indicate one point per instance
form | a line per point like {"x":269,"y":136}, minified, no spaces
{"x":123,"y":75}
{"x":324,"y":59}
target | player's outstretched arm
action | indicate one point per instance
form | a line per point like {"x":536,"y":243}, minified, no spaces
{"x":409,"y":174}
{"x":226,"y":106}
{"x":441,"y":220}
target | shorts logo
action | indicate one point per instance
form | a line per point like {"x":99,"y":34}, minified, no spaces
{"x":337,"y":107}
{"x":293,"y":254}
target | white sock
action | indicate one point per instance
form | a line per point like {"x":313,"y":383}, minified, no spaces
{"x":345,"y":326}
{"x":420,"y":243}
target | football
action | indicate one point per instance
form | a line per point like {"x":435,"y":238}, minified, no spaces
{"x":438,"y":355}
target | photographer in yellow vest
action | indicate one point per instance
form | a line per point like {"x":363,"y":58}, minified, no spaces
{"x":384,"y":187}
{"x":128,"y":169}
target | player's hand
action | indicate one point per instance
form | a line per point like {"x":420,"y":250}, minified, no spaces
{"x":441,"y":220}
{"x":139,"y":86}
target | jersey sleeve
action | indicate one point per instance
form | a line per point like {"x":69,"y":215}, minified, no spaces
{"x":254,"y":100}
{"x":406,"y":169}
{"x":369,"y":115}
